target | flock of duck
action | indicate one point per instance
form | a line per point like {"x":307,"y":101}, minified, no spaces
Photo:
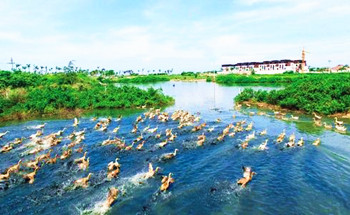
{"x":37,"y":143}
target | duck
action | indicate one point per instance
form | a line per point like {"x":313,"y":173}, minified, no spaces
{"x":140,"y":146}
{"x":294,"y":117}
{"x":201,"y":139}
{"x":340,"y":128}
{"x":98,"y":125}
{"x":152,"y":130}
{"x":172,"y":137}
{"x":78,"y":160}
{"x":247,"y":176}
{"x":168,"y":132}
{"x":232,"y":134}
{"x":338,"y":122}
{"x":5,"y":176}
{"x":113,"y":174}
{"x":317,"y":117}
{"x":83,"y":182}
{"x":211,"y":129}
{"x":263,"y":146}
{"x":316,"y":142}
{"x":227,"y":129}
{"x":93,"y":119}
{"x":263,"y":132}
{"x":300,"y":142}
{"x":251,"y":113}
{"x":60,"y":132}
{"x":244,"y":144}
{"x":291,"y":143}
{"x":218,"y":120}
{"x":32,"y":164}
{"x":138,"y":119}
{"x":326,"y":126}
{"x":169,"y":156}
{"x":113,"y":165}
{"x":66,"y":154}
{"x":3,"y":134}
{"x":292,"y":138}
{"x":158,"y":135}
{"x":80,"y":149}
{"x":103,"y":128}
{"x":111,"y":197}
{"x":139,"y":138}
{"x":52,"y":160}
{"x":151,"y":172}
{"x":134,"y":130}
{"x":31,"y":176}
{"x":116,"y":129}
{"x":166,"y":181}
{"x":251,"y":136}
{"x":146,"y":128}
{"x":317,"y":122}
{"x":162,"y":144}
{"x":84,"y":164}
{"x":76,"y":122}
{"x":281,"y":136}
{"x":41,"y":126}
{"x":249,"y":127}
{"x":45,"y":156}
{"x":15,"y":167}
{"x":6,"y":148}
{"x":119,"y":118}
{"x":220,"y":137}
{"x":18,"y":141}
{"x":128,"y":148}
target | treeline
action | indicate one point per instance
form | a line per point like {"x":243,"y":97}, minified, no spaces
{"x":325,"y":94}
{"x":144,"y":79}
{"x":30,"y":94}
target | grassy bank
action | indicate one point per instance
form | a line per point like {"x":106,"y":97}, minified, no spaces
{"x":144,"y":79}
{"x":232,"y":79}
{"x":23,"y":95}
{"x":324,"y":94}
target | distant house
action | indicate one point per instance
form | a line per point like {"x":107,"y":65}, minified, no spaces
{"x":341,"y":68}
{"x":265,"y":67}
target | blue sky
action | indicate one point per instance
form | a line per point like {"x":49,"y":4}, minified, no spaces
{"x":181,"y":34}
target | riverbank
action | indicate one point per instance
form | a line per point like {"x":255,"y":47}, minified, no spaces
{"x":266,"y":106}
{"x":68,"y":95}
{"x":327,"y":95}
{"x":144,"y":79}
{"x":284,"y":79}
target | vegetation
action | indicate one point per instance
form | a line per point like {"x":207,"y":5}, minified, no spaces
{"x":23,"y":94}
{"x":144,"y":79}
{"x":325,"y":94}
{"x":264,"y":79}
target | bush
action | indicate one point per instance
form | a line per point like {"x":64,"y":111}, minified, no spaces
{"x":325,"y":94}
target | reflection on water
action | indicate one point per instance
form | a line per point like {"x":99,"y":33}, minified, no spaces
{"x":301,"y":180}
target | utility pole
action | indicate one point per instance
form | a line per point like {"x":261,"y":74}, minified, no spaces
{"x":12,"y":63}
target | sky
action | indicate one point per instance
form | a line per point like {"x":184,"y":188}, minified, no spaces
{"x":184,"y":35}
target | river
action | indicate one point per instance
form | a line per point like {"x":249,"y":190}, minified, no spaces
{"x":300,"y":180}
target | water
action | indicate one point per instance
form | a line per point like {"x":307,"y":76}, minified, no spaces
{"x":301,"y":180}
